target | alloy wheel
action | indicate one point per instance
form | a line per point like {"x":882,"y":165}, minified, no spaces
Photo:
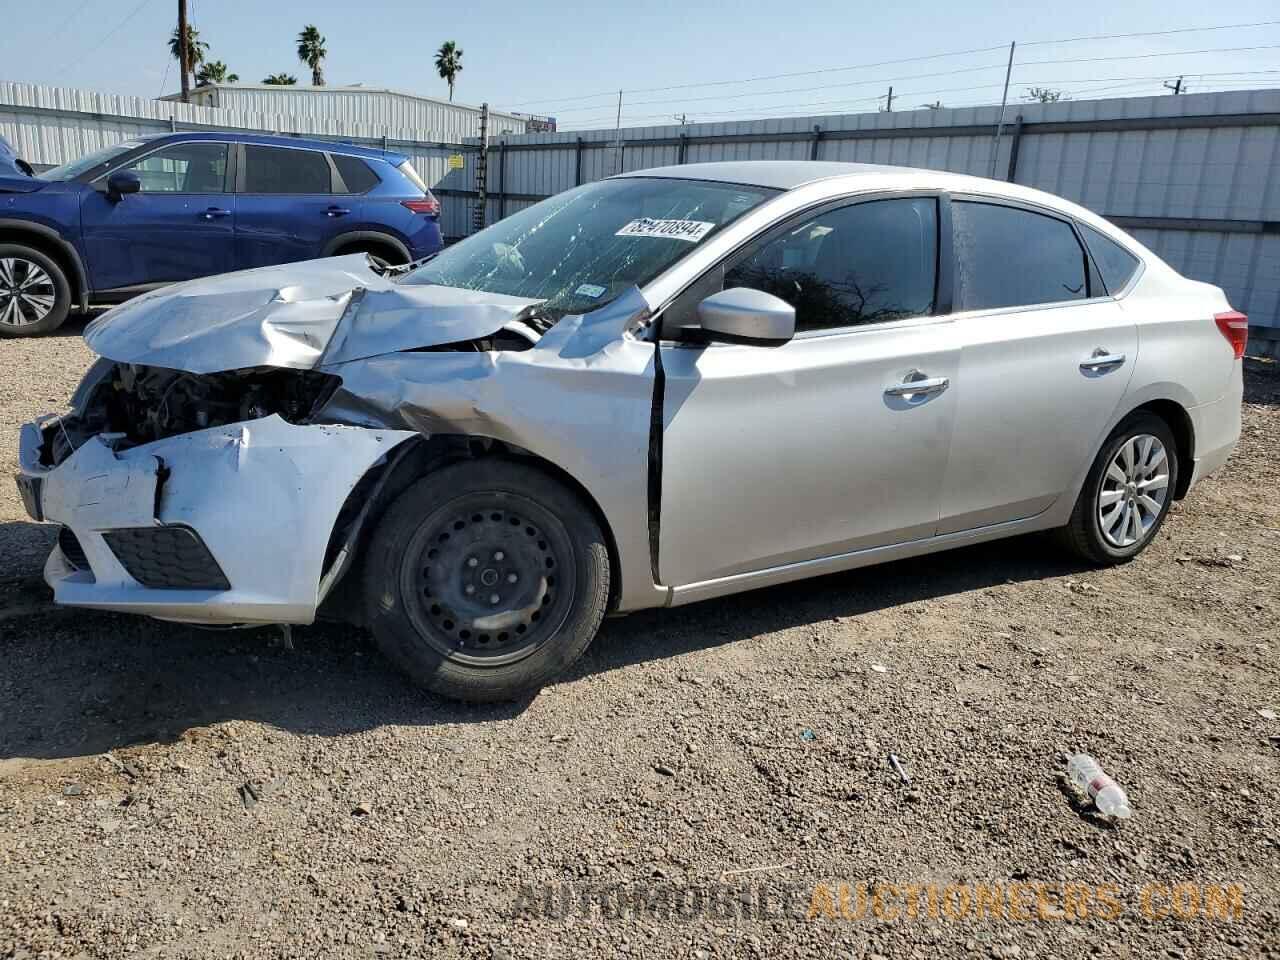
{"x":1134,"y":491}
{"x":27,"y":292}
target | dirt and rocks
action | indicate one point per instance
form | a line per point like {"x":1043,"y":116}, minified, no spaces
{"x":168,"y":792}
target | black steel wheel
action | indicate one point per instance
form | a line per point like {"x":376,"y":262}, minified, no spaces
{"x":486,"y":579}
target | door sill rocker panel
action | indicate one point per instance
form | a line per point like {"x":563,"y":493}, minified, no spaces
{"x":804,"y":569}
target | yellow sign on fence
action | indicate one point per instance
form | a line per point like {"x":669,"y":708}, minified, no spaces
{"x":455,"y":161}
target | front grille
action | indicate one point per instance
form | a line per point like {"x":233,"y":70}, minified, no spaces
{"x":71,"y":549}
{"x":167,"y":558}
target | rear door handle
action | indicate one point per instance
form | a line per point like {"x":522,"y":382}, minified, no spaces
{"x":214,"y":212}
{"x":337,"y":212}
{"x":922,"y":387}
{"x":1101,"y":361}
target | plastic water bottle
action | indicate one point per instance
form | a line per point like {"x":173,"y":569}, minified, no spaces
{"x":1105,"y":793}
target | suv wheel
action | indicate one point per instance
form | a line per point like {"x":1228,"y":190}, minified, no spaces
{"x":485,"y":580}
{"x":35,"y":296}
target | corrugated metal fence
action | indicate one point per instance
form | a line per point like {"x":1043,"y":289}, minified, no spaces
{"x":1195,"y":177}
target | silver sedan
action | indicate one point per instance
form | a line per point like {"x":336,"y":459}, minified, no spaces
{"x":666,"y":386}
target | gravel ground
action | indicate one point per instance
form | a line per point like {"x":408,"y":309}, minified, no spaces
{"x":176,"y":793}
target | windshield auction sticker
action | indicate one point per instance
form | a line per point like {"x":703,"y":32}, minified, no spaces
{"x":690,"y":230}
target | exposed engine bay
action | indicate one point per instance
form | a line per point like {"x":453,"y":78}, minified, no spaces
{"x":141,"y":404}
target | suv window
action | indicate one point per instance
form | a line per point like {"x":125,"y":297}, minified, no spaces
{"x":197,"y":167}
{"x":1116,"y":264}
{"x":282,"y":170}
{"x":1007,"y":257}
{"x":865,"y":263}
{"x":355,"y":173}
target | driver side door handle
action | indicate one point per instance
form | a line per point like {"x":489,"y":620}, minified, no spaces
{"x":923,"y":387}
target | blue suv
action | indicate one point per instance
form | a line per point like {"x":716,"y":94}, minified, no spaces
{"x":158,"y":210}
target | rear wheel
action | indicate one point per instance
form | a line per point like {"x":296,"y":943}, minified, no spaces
{"x":1127,"y":494}
{"x":35,"y":296}
{"x":485,"y":580}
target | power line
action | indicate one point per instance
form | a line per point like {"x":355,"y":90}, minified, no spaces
{"x":826,"y":86}
{"x":1153,"y":33}
{"x":882,"y":63}
{"x":103,"y":40}
{"x":805,"y":108}
{"x":1152,"y":56}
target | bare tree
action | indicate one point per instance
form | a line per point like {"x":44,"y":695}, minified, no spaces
{"x":1045,"y":95}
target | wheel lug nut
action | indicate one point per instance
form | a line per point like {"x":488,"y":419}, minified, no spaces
{"x":494,"y":598}
{"x":470,"y":589}
{"x":512,"y":578}
{"x":473,"y":562}
{"x":499,"y":556}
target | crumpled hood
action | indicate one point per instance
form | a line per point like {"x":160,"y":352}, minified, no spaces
{"x":297,"y":315}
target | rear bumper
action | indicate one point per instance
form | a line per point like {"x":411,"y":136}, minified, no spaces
{"x":259,"y":498}
{"x":1216,"y":428}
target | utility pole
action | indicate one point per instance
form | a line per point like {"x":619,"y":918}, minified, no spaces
{"x":1004,"y":101}
{"x":888,"y":102}
{"x":184,"y":55}
{"x":1176,"y":86}
{"x":617,"y":138}
{"x":682,"y":117}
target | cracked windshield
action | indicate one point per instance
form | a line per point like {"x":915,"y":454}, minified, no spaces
{"x":583,"y":248}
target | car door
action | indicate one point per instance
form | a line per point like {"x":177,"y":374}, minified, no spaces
{"x":1045,"y":358}
{"x":179,"y":225}
{"x":772,"y":455}
{"x":286,"y":208}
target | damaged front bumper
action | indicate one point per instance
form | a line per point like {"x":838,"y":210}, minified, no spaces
{"x":228,"y":525}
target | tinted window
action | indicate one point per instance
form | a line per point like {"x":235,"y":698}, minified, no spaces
{"x":280,"y":170}
{"x":355,"y":173}
{"x":865,"y":263}
{"x":184,"y":168}
{"x":1007,"y":257}
{"x":1116,"y":264}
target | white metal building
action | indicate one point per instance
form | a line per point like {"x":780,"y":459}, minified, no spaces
{"x":358,"y":105}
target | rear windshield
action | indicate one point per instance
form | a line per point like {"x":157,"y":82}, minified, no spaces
{"x":582,"y":248}
{"x":411,"y":175}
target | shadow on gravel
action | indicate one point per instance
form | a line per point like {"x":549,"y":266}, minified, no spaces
{"x":1261,"y":381}
{"x":78,"y":683}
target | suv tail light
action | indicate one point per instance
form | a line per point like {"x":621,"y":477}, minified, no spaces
{"x":428,"y":205}
{"x":1235,"y":327}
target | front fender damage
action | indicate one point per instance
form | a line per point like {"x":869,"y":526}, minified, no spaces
{"x":581,"y":399}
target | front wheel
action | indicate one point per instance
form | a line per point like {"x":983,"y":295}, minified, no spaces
{"x":1127,"y":493}
{"x":35,"y":296}
{"x":485,"y":580}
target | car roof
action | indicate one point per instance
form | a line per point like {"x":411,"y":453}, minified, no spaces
{"x":792,"y":174}
{"x":346,"y":149}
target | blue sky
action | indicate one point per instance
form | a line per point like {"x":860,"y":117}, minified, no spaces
{"x":569,"y":59}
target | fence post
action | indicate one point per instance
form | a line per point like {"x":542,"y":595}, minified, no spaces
{"x":577,"y":164}
{"x":1014,"y":141}
{"x":502,"y":179}
{"x":684,"y":148}
{"x":481,"y":212}
{"x":817,"y":139}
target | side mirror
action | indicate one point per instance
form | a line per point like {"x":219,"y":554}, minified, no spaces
{"x":121,"y":183}
{"x":742,"y":315}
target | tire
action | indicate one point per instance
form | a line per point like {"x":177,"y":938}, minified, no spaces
{"x":382,"y":256}
{"x":1097,"y":532}
{"x":24,"y":269}
{"x":485,"y":580}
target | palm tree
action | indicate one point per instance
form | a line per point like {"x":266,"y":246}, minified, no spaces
{"x":311,"y":51}
{"x":196,"y":48}
{"x":449,"y":63}
{"x":214,"y":71}
{"x":281,"y":80}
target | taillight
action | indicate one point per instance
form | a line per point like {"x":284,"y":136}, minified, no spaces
{"x":1235,"y":327}
{"x":430,"y":206}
